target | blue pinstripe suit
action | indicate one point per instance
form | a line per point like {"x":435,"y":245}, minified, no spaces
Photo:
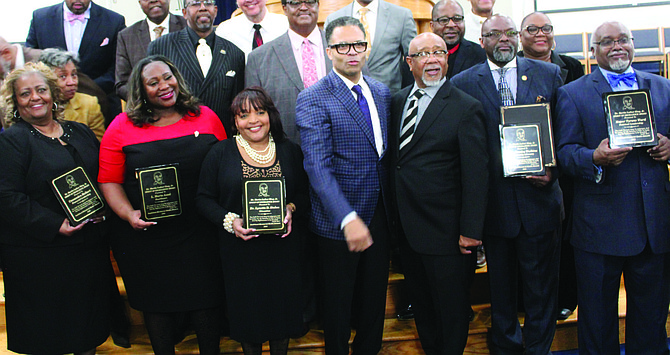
{"x":345,"y":171}
{"x":347,"y":174}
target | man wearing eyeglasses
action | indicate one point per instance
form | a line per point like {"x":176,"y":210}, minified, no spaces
{"x":448,"y":23}
{"x":523,"y":214}
{"x":621,"y":203}
{"x":294,"y":61}
{"x":212,"y":66}
{"x":254,"y":27}
{"x":388,"y":29}
{"x":343,"y":121}
{"x":438,"y":148}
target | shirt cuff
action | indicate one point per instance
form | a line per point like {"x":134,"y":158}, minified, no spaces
{"x":598,"y":170}
{"x":348,"y":218}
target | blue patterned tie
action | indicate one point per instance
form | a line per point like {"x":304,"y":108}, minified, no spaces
{"x":363,"y":105}
{"x":626,"y":78}
{"x":504,"y":90}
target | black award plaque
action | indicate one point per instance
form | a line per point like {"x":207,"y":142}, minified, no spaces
{"x":537,"y":114}
{"x":630,"y":118}
{"x":522,"y":150}
{"x":78,"y":196}
{"x":159,"y":189}
{"x":264,"y":201}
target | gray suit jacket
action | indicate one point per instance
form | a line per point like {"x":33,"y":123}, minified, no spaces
{"x":394,"y":30}
{"x":225,"y":78}
{"x":131,"y":47}
{"x":272,"y":66}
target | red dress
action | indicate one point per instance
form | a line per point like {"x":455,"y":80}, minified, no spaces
{"x":173,"y":266}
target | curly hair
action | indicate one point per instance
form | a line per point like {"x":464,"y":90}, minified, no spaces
{"x":8,"y":91}
{"x":257,"y":99}
{"x":140,"y":110}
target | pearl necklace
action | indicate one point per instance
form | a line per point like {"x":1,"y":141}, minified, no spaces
{"x":259,"y":156}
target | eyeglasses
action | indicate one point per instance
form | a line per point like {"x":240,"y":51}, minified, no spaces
{"x":608,"y":42}
{"x":345,"y":48}
{"x":444,"y":20}
{"x":198,"y":3}
{"x":298,"y":4}
{"x":498,"y":34}
{"x":533,"y":30}
{"x":423,"y":56}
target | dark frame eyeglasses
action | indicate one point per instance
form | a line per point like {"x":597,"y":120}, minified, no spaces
{"x":345,"y":48}
{"x":298,"y":4}
{"x":444,"y":20}
{"x":498,"y":34}
{"x":198,"y":3}
{"x":422,"y":56}
{"x":533,"y":30}
{"x":608,"y":42}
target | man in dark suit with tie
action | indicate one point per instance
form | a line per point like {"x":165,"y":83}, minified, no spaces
{"x":276,"y":68}
{"x":524,"y":215}
{"x":80,"y":26}
{"x":343,"y":122}
{"x":134,"y":40}
{"x":621,"y":223}
{"x":440,"y":183}
{"x":448,"y":22}
{"x":212,"y":66}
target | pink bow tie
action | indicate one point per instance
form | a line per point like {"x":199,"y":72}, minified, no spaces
{"x":70,"y":17}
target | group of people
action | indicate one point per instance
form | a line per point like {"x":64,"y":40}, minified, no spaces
{"x":383,"y":138}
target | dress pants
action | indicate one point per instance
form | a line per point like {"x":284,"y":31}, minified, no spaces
{"x":439,"y":290}
{"x":646,"y":277}
{"x":536,"y":259}
{"x":355,"y":281}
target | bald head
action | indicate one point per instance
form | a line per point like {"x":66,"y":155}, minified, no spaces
{"x":500,"y":39}
{"x":448,"y":22}
{"x":429,"y":68}
{"x":612,"y":45}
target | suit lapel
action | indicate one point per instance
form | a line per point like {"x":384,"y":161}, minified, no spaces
{"x":433,"y":111}
{"x":380,"y":28}
{"x":487,"y":85}
{"x":286,"y":58}
{"x":186,"y":52}
{"x":143,"y":35}
{"x":219,"y":58}
{"x":600,"y":84}
{"x":57,"y":25}
{"x":339,"y":89}
{"x":381,"y":113}
{"x":460,"y":57}
{"x":329,"y":64}
{"x":90,"y":37}
{"x":524,"y":80}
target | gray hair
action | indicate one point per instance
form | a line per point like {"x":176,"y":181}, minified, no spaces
{"x":58,"y":58}
{"x":342,"y":22}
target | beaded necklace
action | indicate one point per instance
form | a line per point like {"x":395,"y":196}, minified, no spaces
{"x":259,"y":156}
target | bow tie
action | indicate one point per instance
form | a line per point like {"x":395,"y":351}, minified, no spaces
{"x":627,"y":78}
{"x":70,"y":17}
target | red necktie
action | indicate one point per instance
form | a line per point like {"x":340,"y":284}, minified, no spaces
{"x":258,"y":40}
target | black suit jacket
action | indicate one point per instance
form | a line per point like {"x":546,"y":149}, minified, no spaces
{"x":132,"y":47}
{"x":225,"y":77}
{"x":467,"y":55}
{"x":98,"y":45}
{"x":440,"y":179}
{"x":571,"y":68}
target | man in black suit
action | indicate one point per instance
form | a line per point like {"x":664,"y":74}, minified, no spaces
{"x":448,"y":22}
{"x":524,"y":214}
{"x":440,"y":182}
{"x":80,"y":26}
{"x":212,"y":66}
{"x":134,"y":40}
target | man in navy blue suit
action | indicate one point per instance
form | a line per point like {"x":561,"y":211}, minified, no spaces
{"x":343,"y":121}
{"x":621,"y":223}
{"x":523,"y":215}
{"x":82,"y":27}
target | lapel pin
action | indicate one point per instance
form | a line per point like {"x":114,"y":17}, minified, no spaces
{"x":524,"y":78}
{"x":539,"y":99}
{"x":196,"y":134}
{"x":223,"y":51}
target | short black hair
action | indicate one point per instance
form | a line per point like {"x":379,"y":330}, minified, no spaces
{"x":342,"y":22}
{"x":256,"y":98}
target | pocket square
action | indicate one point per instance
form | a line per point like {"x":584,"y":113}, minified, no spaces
{"x":104,"y":42}
{"x":230,"y":73}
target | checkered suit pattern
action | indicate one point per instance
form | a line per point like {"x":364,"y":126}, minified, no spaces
{"x":345,"y":172}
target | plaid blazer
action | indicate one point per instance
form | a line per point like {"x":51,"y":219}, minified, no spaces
{"x":345,"y":172}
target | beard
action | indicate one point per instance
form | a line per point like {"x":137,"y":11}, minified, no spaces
{"x":619,"y":65}
{"x":503,"y":57}
{"x":428,"y":82}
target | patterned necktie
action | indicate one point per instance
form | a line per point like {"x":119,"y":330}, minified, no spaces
{"x":204,"y":54}
{"x":158,"y":31}
{"x":504,"y":90}
{"x":309,"y":76}
{"x":409,"y":122}
{"x":363,"y":105}
{"x":364,"y":22}
{"x":258,"y":40}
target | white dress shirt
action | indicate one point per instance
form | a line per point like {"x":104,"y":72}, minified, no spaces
{"x":240,"y":30}
{"x":165,"y":24}
{"x":74,"y":31}
{"x":473,"y":26}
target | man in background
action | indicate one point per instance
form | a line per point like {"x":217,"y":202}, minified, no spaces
{"x":479,"y":12}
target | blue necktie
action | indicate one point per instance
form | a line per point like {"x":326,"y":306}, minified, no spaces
{"x":627,"y":78}
{"x":363,"y":105}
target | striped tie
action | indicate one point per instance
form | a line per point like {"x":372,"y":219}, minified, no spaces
{"x":408,"y":123}
{"x":504,"y":90}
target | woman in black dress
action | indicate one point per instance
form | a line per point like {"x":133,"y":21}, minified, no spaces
{"x":56,"y":292}
{"x":169,"y":264}
{"x":262,"y":272}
